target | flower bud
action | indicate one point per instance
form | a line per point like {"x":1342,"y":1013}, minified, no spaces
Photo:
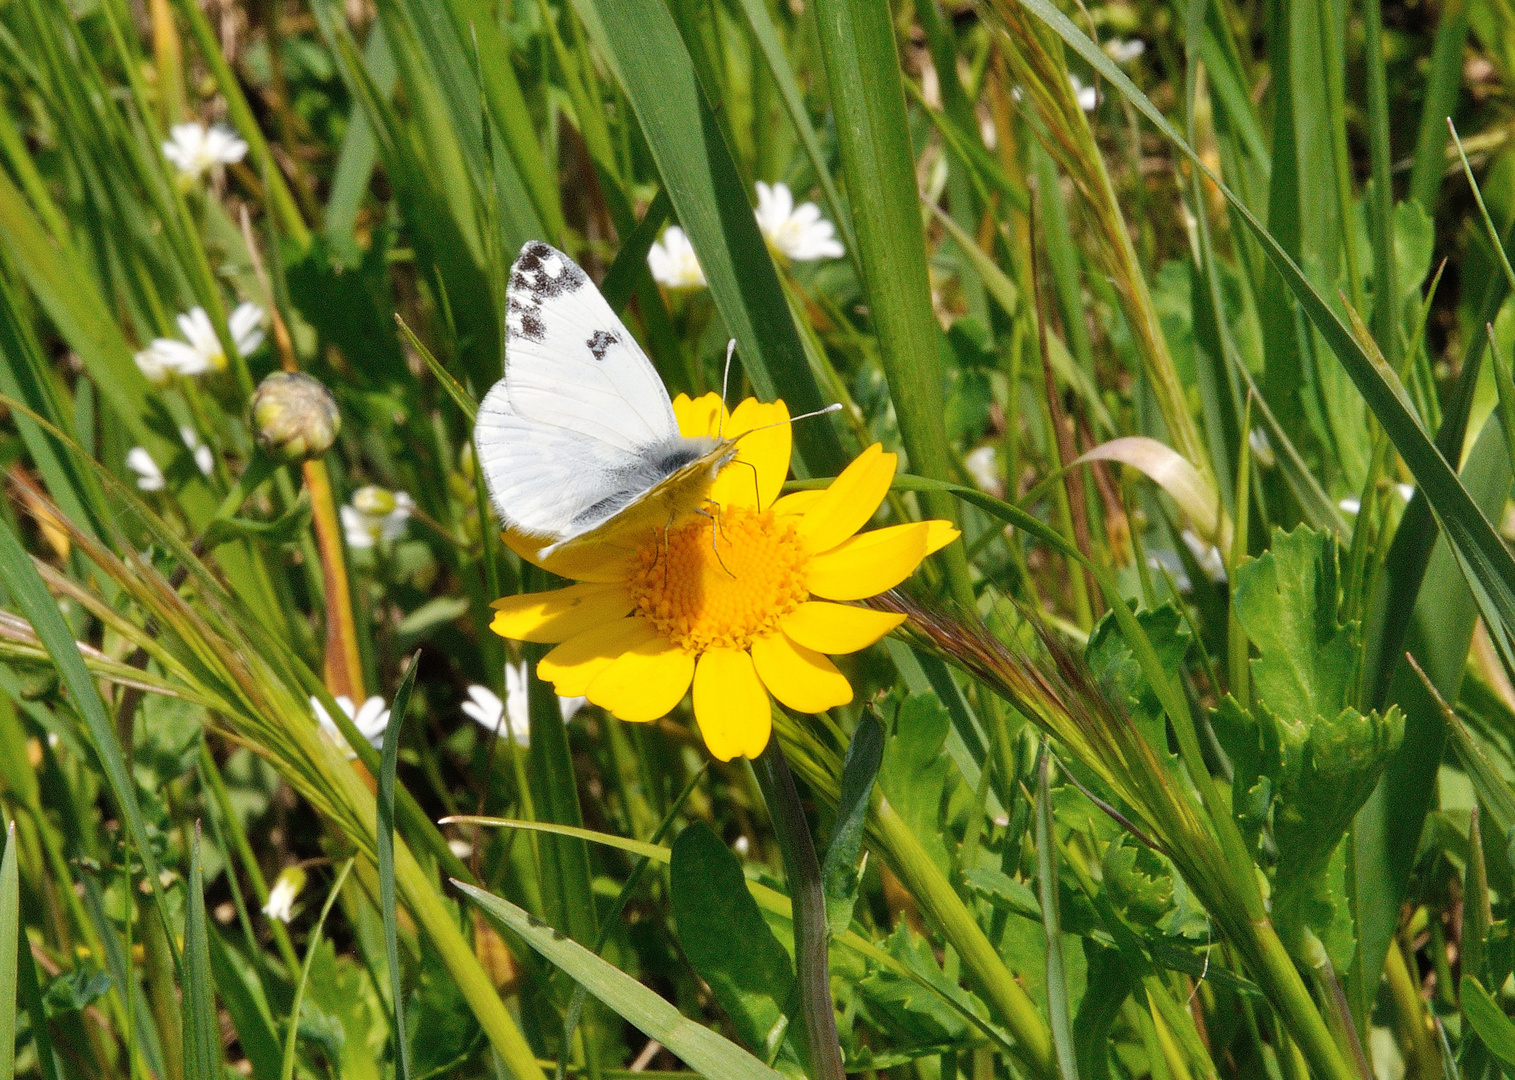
{"x":294,"y":417}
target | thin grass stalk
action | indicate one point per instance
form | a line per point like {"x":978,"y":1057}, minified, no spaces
{"x":1036,"y":63}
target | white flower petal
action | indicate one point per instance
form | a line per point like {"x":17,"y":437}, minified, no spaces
{"x":673,"y":262}
{"x":149,"y":476}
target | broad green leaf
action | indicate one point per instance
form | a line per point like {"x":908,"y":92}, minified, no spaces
{"x":697,"y":1046}
{"x":728,"y":943}
{"x":1111,"y":659}
{"x":915,"y":775}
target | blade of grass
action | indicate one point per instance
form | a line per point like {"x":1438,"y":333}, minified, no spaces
{"x":385,"y":841}
{"x":10,"y":939}
{"x":873,"y":132}
{"x":697,"y":1046}
{"x":1440,"y":102}
{"x":1046,"y":887}
{"x":202,"y":1036}
{"x":292,"y":1040}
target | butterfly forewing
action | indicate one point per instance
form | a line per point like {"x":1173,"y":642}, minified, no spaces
{"x":580,"y":426}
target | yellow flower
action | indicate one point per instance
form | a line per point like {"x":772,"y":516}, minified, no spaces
{"x":739,"y":600}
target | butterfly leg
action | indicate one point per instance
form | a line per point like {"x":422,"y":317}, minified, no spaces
{"x":757,"y":495}
{"x":715,"y":528}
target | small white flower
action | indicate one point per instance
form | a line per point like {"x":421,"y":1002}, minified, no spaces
{"x":1207,"y":555}
{"x":1351,"y":504}
{"x":673,"y":262}
{"x":983,"y":467}
{"x":205,"y":459}
{"x":1406,"y":491}
{"x":201,"y":352}
{"x":461,"y":848}
{"x":487,"y":710}
{"x":796,"y":232}
{"x":195,"y":149}
{"x":1088,"y":96}
{"x":741,"y":845}
{"x":149,"y":476}
{"x":371,"y":718}
{"x":281,"y":898}
{"x":1124,"y":51}
{"x":157,"y":363}
{"x":376,"y":514}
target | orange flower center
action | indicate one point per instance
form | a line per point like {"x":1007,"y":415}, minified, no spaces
{"x":719,"y":583}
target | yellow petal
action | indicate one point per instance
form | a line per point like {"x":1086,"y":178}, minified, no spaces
{"x":801,"y":678}
{"x":731,"y":705}
{"x":797,"y":502}
{"x":645,"y":683}
{"x":593,"y":560}
{"x":868,"y":564}
{"x":850,"y":501}
{"x":757,"y":475}
{"x":700,"y":416}
{"x":835,"y":628}
{"x":573,"y":665}
{"x":558,"y":615}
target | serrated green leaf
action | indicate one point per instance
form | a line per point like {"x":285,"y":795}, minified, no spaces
{"x":915,"y":773}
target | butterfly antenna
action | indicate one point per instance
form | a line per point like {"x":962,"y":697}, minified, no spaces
{"x":835,"y":406}
{"x":725,"y":377}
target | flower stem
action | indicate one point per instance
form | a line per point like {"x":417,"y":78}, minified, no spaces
{"x":803,"y":871}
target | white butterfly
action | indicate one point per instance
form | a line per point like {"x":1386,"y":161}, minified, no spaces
{"x":579,"y":437}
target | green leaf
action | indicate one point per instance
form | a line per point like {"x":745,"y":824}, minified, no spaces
{"x":1111,"y":659}
{"x":1491,"y":1025}
{"x":1321,"y":756}
{"x":202,"y":1036}
{"x":915,"y":774}
{"x":385,"y":842}
{"x":1286,"y":600}
{"x":839,"y":872}
{"x":297,"y":1024}
{"x":642,"y":42}
{"x":697,"y":1046}
{"x":727,"y":941}
{"x":1060,"y":1017}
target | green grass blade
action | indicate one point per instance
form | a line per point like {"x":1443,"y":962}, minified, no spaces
{"x":39,"y":609}
{"x":202,"y":1036}
{"x":1490,"y":1023}
{"x":359,"y":151}
{"x":863,"y":73}
{"x":385,"y":838}
{"x":10,"y":939}
{"x":31,"y":994}
{"x":292,"y":1040}
{"x":1440,"y":102}
{"x":1046,"y":884}
{"x":630,"y":266}
{"x":697,"y":1046}
{"x":642,"y":43}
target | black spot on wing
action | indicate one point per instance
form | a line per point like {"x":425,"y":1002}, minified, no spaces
{"x":525,"y":319}
{"x":541,"y":273}
{"x":600,"y":342}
